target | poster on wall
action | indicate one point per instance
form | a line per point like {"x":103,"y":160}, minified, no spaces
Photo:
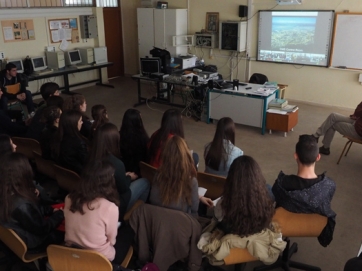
{"x":63,"y":30}
{"x":18,"y":30}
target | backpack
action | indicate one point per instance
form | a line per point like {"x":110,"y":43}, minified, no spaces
{"x":28,"y":66}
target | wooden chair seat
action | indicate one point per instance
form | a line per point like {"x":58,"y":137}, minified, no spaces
{"x":147,"y":171}
{"x":349,"y":144}
{"x":44,"y":166}
{"x":66,"y":179}
{"x":213,"y":183}
{"x":26,"y":146}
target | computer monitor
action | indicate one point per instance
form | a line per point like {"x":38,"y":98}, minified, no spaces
{"x":18,"y":63}
{"x":38,"y":63}
{"x":150,"y":65}
{"x":74,"y":57}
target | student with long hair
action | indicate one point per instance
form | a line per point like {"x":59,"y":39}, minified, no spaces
{"x":134,"y":140}
{"x":91,"y":214}
{"x":51,"y":117}
{"x":106,"y":146}
{"x":221,"y":152}
{"x":100,"y":117}
{"x":20,"y":209}
{"x":69,"y":146}
{"x":175,"y":185}
{"x":246,"y":207}
{"x":77,"y":102}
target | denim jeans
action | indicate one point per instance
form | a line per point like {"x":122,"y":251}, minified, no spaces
{"x":140,"y":189}
{"x":28,"y":101}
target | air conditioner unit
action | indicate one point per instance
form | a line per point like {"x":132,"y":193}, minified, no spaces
{"x":289,"y":2}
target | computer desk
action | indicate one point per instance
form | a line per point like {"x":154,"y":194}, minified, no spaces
{"x":244,"y":106}
{"x":71,"y":70}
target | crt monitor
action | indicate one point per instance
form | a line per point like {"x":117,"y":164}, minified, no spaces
{"x":18,"y":63}
{"x":150,"y":65}
{"x":74,"y":57}
{"x":38,"y":63}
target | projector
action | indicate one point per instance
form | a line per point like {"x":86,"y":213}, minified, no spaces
{"x":289,"y":2}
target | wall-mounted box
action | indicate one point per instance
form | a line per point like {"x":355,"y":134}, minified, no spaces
{"x":55,"y":60}
{"x":232,"y":36}
{"x":87,"y":55}
{"x":100,"y":55}
{"x":205,"y":40}
{"x":88,"y":26}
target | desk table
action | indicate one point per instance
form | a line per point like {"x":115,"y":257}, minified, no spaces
{"x":244,"y":106}
{"x":70,"y":70}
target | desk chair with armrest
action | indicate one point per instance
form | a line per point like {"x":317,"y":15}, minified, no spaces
{"x":66,"y":179}
{"x":63,"y":258}
{"x":44,"y":166}
{"x":147,"y":171}
{"x":26,"y":146}
{"x":213,"y":183}
{"x":349,"y":144}
{"x":295,"y":225}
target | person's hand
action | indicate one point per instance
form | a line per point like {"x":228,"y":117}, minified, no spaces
{"x":58,"y":209}
{"x":207,"y":201}
{"x":21,"y":96}
{"x":133,"y":175}
{"x":37,"y":192}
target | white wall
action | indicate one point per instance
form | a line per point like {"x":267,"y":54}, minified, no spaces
{"x":36,"y":47}
{"x":317,"y":85}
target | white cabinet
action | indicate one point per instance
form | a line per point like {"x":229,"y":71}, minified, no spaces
{"x":156,"y":27}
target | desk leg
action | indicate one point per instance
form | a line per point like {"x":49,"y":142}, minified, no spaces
{"x":66,"y":85}
{"x":101,"y":81}
{"x":141,"y":100}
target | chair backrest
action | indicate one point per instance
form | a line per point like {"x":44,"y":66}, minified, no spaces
{"x":258,"y":78}
{"x":26,"y":146}
{"x":66,"y":179}
{"x":16,"y":245}
{"x":13,"y":89}
{"x":299,"y":225}
{"x":147,"y":171}
{"x":44,"y":166}
{"x":213,"y":183}
{"x":63,"y":258}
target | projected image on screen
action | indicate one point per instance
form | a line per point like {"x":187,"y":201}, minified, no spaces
{"x":298,"y":37}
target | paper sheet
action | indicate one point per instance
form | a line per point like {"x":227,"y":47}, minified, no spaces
{"x":216,"y":201}
{"x":360,"y":250}
{"x":55,"y":35}
{"x":8,"y":33}
{"x":202,"y":191}
{"x":63,"y":45}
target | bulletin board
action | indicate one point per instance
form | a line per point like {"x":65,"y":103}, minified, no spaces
{"x":18,"y":30}
{"x":347,"y":39}
{"x":63,"y":29}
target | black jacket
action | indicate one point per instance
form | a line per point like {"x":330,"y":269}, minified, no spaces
{"x":10,"y":128}
{"x":28,"y":220}
{"x":73,"y":153}
{"x":4,"y":81}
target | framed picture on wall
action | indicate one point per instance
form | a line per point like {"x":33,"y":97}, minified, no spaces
{"x":212,"y":22}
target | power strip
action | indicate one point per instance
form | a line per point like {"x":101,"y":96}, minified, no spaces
{"x":2,"y":55}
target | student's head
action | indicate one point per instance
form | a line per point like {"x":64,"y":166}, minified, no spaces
{"x":51,"y":115}
{"x":75,"y":102}
{"x":306,"y":150}
{"x":172,"y":122}
{"x":16,"y":179}
{"x":99,"y":112}
{"x":105,"y":142}
{"x":246,"y":203}
{"x":55,"y":101}
{"x":97,"y":182}
{"x":11,"y":69}
{"x":176,"y":172}
{"x":6,"y":145}
{"x":132,"y":120}
{"x":70,"y":122}
{"x":49,"y":89}
{"x":225,"y":129}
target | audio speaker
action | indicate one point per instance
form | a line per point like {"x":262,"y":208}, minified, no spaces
{"x":243,"y":11}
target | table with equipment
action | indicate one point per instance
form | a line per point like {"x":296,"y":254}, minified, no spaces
{"x":71,"y":70}
{"x":247,"y":105}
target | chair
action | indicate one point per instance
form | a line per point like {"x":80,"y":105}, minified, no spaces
{"x":134,"y":207}
{"x":258,"y":78}
{"x":349,"y":144}
{"x":66,"y":178}
{"x":44,"y":166}
{"x":16,"y":245}
{"x":26,"y":146}
{"x":147,"y":171}
{"x":295,"y":225}
{"x":213,"y":183}
{"x":63,"y":258}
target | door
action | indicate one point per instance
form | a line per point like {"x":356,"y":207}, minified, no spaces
{"x":114,"y":40}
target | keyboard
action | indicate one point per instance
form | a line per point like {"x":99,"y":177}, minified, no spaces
{"x":81,"y":66}
{"x":46,"y":71}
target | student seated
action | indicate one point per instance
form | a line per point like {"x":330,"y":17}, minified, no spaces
{"x":8,"y":77}
{"x":91,"y":214}
{"x":47,"y":90}
{"x":171,"y":125}
{"x":221,"y":152}
{"x":307,"y":192}
{"x":70,"y":147}
{"x":175,"y":185}
{"x":77,"y":102}
{"x":20,"y":209}
{"x":134,"y":140}
{"x":100,"y":117}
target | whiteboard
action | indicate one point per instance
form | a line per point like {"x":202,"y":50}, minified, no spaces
{"x":347,"y":41}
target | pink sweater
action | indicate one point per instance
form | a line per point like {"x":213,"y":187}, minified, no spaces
{"x":96,"y":229}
